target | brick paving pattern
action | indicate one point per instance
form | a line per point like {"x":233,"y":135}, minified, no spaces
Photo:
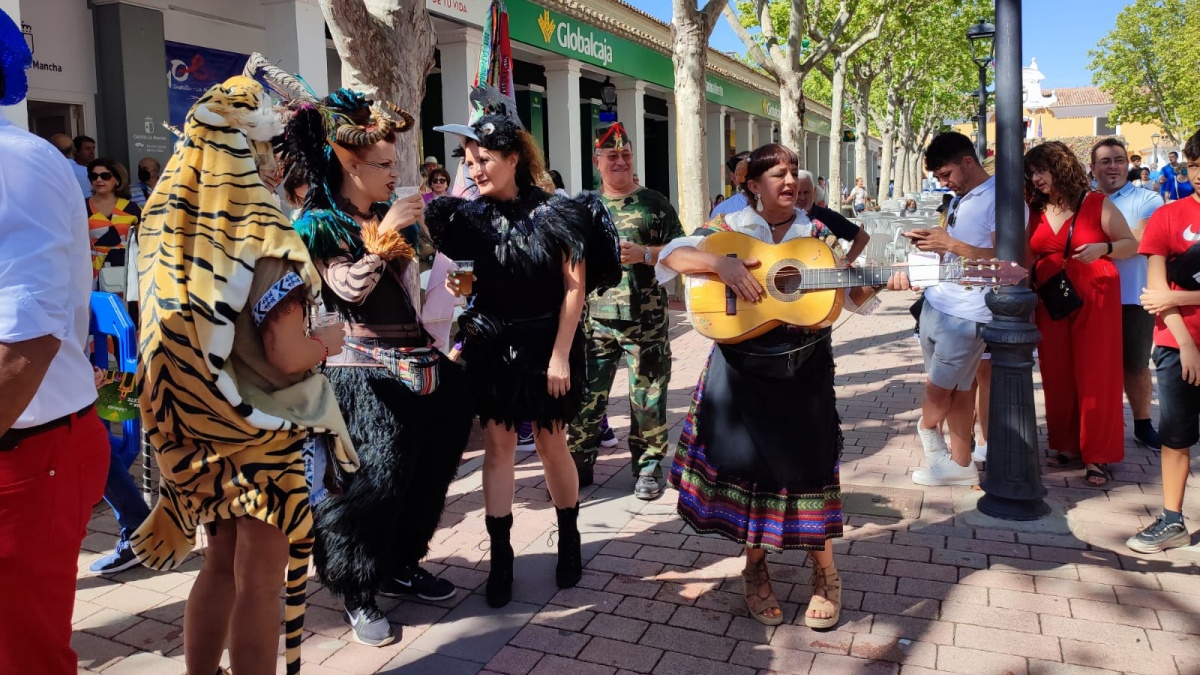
{"x":935,"y":594}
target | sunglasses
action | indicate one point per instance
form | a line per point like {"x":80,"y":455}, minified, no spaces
{"x":439,"y":180}
{"x":102,"y":175}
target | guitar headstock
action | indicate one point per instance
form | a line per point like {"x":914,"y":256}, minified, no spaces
{"x":990,"y":273}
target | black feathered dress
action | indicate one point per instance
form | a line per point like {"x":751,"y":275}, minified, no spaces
{"x":518,"y":248}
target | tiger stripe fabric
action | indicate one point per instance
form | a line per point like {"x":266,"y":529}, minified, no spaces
{"x":221,"y":453}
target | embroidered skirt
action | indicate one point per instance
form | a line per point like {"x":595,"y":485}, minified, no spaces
{"x":749,"y":512}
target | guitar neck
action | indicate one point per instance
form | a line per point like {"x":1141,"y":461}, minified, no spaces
{"x":822,"y":279}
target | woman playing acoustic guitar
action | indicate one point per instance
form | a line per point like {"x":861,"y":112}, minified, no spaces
{"x":743,"y":467}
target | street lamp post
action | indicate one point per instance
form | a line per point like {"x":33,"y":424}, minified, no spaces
{"x":1013,"y":484}
{"x":981,"y":37}
{"x":1154,"y":138}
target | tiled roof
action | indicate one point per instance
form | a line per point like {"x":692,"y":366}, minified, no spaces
{"x":1075,"y":96}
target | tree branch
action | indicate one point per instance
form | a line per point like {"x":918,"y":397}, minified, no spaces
{"x":765,"y":62}
{"x":712,"y":10}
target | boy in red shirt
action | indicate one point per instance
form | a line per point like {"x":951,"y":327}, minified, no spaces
{"x":1171,"y":232}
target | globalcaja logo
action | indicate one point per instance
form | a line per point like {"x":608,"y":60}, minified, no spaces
{"x":572,"y":38}
{"x":547,"y":25}
{"x":770,"y":109}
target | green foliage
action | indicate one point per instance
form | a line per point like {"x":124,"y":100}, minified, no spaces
{"x":1149,"y":65}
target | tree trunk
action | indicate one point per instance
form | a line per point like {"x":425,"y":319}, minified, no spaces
{"x":837,"y":113}
{"x":887,"y":131}
{"x":386,"y":48}
{"x":690,"y":29}
{"x":791,"y":116}
{"x":860,"y":105}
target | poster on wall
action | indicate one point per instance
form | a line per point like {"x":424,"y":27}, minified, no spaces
{"x":191,"y":70}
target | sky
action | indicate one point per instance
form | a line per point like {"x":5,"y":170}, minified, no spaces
{"x":1061,"y":54}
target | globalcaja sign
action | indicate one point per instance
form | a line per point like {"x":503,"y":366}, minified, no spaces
{"x":534,"y":25}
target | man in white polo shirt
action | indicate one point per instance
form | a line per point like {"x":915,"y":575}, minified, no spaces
{"x":1110,"y":166}
{"x":953,"y":316}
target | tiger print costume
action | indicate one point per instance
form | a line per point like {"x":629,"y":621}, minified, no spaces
{"x":225,"y":448}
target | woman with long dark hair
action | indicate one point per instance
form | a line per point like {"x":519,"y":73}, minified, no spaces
{"x":523,"y":341}
{"x":1080,"y":354}
{"x":757,"y":462}
{"x":401,"y":400}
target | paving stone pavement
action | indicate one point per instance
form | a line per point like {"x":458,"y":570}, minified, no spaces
{"x":935,"y":594}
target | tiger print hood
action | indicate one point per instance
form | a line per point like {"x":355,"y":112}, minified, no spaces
{"x":208,"y":222}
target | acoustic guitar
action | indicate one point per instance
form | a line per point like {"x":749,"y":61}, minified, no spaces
{"x":804,"y":286}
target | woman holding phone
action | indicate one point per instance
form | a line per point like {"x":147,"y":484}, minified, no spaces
{"x":400,"y":399}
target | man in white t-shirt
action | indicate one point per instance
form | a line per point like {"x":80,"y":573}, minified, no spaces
{"x":1111,"y":168}
{"x":953,"y":316}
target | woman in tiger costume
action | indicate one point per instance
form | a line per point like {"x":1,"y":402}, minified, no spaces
{"x":231,"y":403}
{"x":406,"y":406}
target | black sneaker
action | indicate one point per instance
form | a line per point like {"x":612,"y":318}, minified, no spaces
{"x":608,"y":437}
{"x":370,"y":626}
{"x":1145,"y":434}
{"x":648,"y":488}
{"x":525,"y":440}
{"x":416,"y":581}
{"x":1160,"y":536}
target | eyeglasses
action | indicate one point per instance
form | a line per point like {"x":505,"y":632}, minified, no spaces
{"x":103,"y":175}
{"x":390,"y":167}
{"x":1030,"y":173}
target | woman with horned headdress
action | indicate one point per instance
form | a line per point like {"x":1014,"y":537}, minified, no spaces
{"x":523,"y":343}
{"x":402,"y":401}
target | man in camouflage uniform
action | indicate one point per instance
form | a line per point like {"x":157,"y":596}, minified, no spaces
{"x":629,"y":320}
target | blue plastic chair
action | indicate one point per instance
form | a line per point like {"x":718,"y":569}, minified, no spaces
{"x":109,"y":318}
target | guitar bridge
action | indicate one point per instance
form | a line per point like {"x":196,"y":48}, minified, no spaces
{"x":730,"y":296}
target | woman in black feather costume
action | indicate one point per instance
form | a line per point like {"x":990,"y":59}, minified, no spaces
{"x":536,"y":256}
{"x":402,"y":402}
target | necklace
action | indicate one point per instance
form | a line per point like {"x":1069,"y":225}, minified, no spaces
{"x":782,"y":222}
{"x":349,"y":207}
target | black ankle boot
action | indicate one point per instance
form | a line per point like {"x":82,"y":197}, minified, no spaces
{"x":570,"y":558}
{"x":500,"y":577}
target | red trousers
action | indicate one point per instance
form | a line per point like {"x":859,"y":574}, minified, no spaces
{"x":1082,"y":375}
{"x":48,"y":485}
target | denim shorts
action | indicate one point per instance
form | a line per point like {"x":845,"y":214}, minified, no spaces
{"x":1178,"y":402}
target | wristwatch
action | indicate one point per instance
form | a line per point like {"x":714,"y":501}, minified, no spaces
{"x":648,"y":256}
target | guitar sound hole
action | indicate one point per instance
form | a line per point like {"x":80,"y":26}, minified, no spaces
{"x":787,"y":279}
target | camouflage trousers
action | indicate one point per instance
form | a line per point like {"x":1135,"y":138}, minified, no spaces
{"x":646,"y":349}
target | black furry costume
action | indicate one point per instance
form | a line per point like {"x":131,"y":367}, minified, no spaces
{"x":518,"y":248}
{"x":409,"y":445}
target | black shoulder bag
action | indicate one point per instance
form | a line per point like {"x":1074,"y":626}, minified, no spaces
{"x":1058,"y":294}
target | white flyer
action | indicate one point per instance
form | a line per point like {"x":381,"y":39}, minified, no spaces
{"x":924,"y":268}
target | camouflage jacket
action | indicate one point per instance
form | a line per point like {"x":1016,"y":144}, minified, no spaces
{"x":645,"y":218}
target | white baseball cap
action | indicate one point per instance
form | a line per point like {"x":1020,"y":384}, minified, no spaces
{"x":431,"y":160}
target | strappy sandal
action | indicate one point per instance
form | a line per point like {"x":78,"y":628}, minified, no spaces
{"x":1062,"y":460}
{"x":763,"y":608}
{"x":1097,"y":477}
{"x":826,"y":597}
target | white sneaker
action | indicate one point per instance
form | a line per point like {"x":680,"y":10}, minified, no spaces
{"x":979,"y":454}
{"x":932,"y":442}
{"x":945,"y":471}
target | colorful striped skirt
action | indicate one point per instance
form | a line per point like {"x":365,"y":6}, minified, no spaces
{"x":739,"y":510}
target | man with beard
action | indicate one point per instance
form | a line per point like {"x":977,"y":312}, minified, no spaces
{"x":1111,"y":169}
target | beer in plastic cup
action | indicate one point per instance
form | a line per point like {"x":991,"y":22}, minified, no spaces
{"x":463,"y":274}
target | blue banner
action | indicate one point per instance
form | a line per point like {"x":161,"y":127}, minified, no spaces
{"x":191,"y":70}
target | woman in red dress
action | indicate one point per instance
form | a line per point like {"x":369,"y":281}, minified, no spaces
{"x":1080,"y":354}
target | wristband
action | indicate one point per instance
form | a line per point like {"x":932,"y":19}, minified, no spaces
{"x":323,"y":347}
{"x":1109,"y":248}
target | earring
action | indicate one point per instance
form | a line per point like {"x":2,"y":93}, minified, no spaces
{"x":758,"y":198}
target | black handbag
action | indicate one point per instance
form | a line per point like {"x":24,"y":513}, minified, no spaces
{"x":1184,"y":269}
{"x":1057,"y":293}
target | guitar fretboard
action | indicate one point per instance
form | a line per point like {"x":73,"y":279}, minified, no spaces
{"x":816,"y":279}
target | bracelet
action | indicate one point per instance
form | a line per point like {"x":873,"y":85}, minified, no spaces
{"x":1109,"y":248}
{"x":323,"y":347}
